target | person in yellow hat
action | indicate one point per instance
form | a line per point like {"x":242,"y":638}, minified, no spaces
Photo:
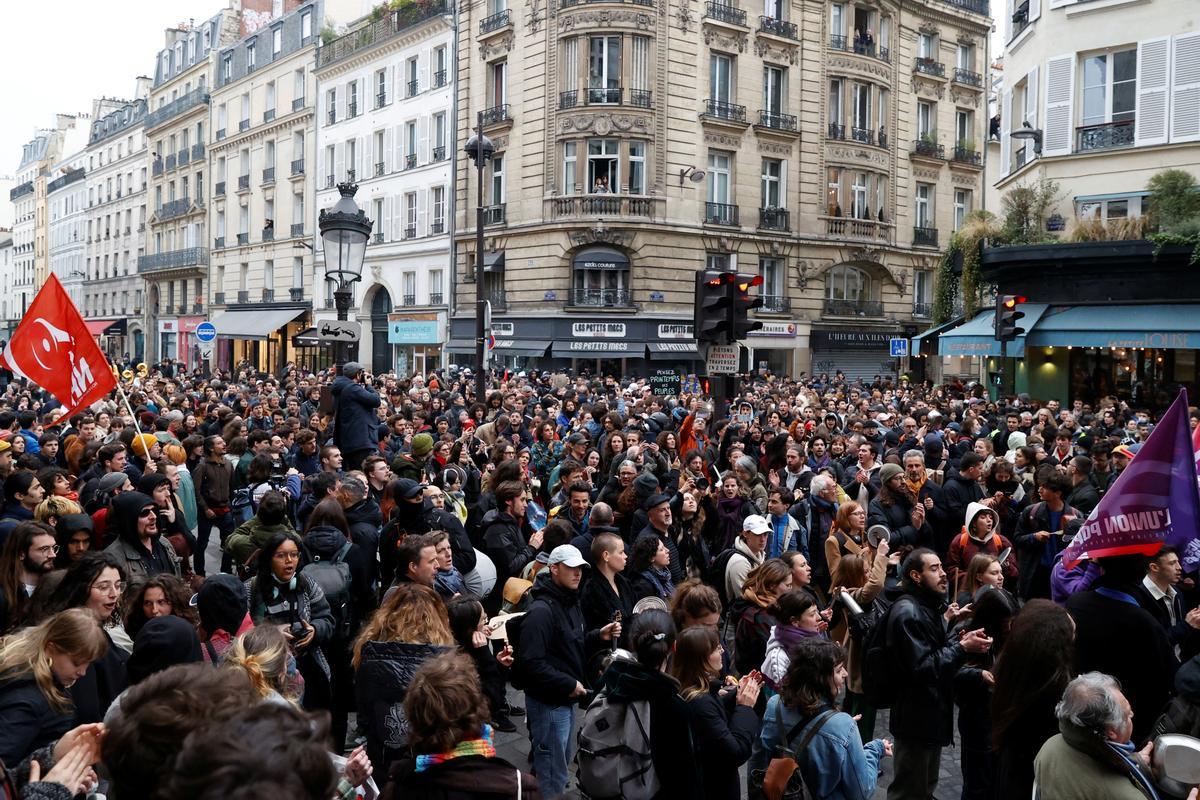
{"x":6,"y":463}
{"x":146,"y":449}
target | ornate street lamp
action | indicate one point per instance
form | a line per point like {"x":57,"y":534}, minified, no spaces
{"x":480,"y":150}
{"x":345,"y":231}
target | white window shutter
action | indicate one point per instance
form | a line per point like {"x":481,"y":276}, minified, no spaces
{"x":369,"y":155}
{"x":1005,"y":129}
{"x":339,"y":156}
{"x":1060,"y":97}
{"x":397,"y":214}
{"x":1031,"y":97}
{"x":1185,"y":87}
{"x":1153,"y":68}
{"x":1035,"y":9}
{"x":398,"y":148}
{"x":381,"y":225}
{"x":1009,"y":9}
{"x":422,"y":213}
{"x":386,"y":155}
{"x":423,"y":140}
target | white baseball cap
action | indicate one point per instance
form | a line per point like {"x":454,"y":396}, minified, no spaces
{"x":567,"y":554}
{"x":756,"y":524}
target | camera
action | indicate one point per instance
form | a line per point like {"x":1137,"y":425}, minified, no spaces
{"x":702,"y":484}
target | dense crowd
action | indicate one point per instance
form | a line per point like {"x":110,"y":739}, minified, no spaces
{"x":321,"y":586}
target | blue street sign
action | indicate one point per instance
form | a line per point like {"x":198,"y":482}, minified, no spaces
{"x":206,"y":332}
{"x":899,"y":347}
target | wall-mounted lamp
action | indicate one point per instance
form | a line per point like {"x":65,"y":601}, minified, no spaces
{"x":692,"y":174}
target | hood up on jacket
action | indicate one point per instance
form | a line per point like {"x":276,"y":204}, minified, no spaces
{"x":365,"y":510}
{"x":324,"y":541}
{"x":124,"y":514}
{"x":973,"y":511}
{"x":161,"y":643}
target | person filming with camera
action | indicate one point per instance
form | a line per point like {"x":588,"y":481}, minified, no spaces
{"x":355,"y":418}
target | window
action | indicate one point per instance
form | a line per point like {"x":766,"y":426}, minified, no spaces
{"x":925,"y":120}
{"x":298,"y":88}
{"x":604,"y":69}
{"x":409,"y":282}
{"x":439,"y":65}
{"x":351,"y":159}
{"x":837,"y":20}
{"x":206,"y":38}
{"x":270,"y":96}
{"x":861,"y":108}
{"x":410,"y":140}
{"x":1109,"y":87}
{"x":718,"y":176}
{"x":965,"y":57}
{"x":773,"y":91}
{"x":380,"y":88}
{"x":298,"y":211}
{"x":379,"y":217}
{"x":438,"y":202}
{"x":226,"y":67}
{"x":606,"y":285}
{"x":859,"y":205}
{"x":498,"y":83}
{"x":772,"y":183}
{"x":410,"y":214}
{"x":269,"y":275}
{"x":497,"y":179}
{"x":410,"y":72}
{"x":848,"y":283}
{"x":962,"y":206}
{"x":640,"y":63}
{"x":352,"y":99}
{"x":603,"y":166}
{"x":770,"y":271}
{"x":439,"y":135}
{"x":720,"y":78}
{"x":569,"y":174}
{"x":964,"y":129}
{"x":926,"y":46}
{"x":331,"y":104}
{"x":835,"y":102}
{"x":380,"y":153}
{"x":924,"y":205}
{"x":270,"y":155}
{"x":245,"y":107}
{"x":637,"y":168}
{"x":1109,"y":209}
{"x":276,"y":41}
{"x":435,"y":285}
{"x":922,"y":292}
{"x":298,"y":272}
{"x":306,"y":29}
{"x":251,"y":54}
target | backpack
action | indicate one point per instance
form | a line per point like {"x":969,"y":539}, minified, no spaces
{"x":877,"y":670}
{"x":241,"y":503}
{"x":714,"y":576}
{"x":333,"y":576}
{"x":512,"y":631}
{"x":782,"y":780}
{"x":614,"y":750}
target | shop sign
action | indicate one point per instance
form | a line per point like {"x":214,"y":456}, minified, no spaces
{"x":598,"y":330}
{"x":675,"y":347}
{"x":413,"y":332}
{"x":605,"y":347}
{"x":775,"y":329}
{"x":852,"y":340}
{"x":502,"y":329}
{"x":675,"y":331}
{"x":167,"y":326}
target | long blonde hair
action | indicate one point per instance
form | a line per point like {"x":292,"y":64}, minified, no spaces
{"x":55,"y":506}
{"x":262,"y":653}
{"x":75,"y":632}
{"x":412,"y":613}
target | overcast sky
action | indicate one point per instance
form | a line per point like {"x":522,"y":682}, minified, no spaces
{"x":59,"y":56}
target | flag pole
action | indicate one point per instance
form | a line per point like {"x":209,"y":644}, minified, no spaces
{"x":125,"y":397}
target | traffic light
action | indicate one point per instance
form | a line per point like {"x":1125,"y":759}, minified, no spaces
{"x":1008,"y":313}
{"x":742,"y":304}
{"x":713,"y":305}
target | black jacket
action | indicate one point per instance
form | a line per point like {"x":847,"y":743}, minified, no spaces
{"x":723,"y":735}
{"x":925,"y":659}
{"x":463,"y":778}
{"x":1034,"y":518}
{"x":324,"y":542}
{"x":366,"y":521}
{"x":897,"y":517}
{"x":553,"y":642}
{"x":1183,"y":712}
{"x":355,"y":417}
{"x":1085,"y":497}
{"x":598,"y":604}
{"x":505,"y":543}
{"x":1180,"y":634}
{"x":382,"y":680}
{"x":676,"y":565}
{"x":27,"y":721}
{"x":104,"y":680}
{"x":957,"y":493}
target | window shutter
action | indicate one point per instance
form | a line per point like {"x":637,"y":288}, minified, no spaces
{"x":1005,"y":128}
{"x":339,"y":156}
{"x":1035,"y":10}
{"x":1185,"y":87}
{"x":1060,"y":93}
{"x":1152,"y":86}
{"x":397,"y":214}
{"x":422,"y":212}
{"x":1031,"y":97}
{"x":423,"y":140}
{"x":1008,"y":23}
{"x":381,"y":225}
{"x":369,"y":156}
{"x":385,"y":156}
{"x":398,"y":148}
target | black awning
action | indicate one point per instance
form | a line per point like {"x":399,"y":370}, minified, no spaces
{"x":494,"y":261}
{"x":602,"y":258}
{"x":118,"y":328}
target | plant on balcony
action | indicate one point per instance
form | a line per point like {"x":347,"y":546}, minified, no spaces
{"x":1174,"y":198}
{"x":966,"y":144}
{"x":1113,"y":230}
{"x":1024,"y":209}
{"x":328,"y":34}
{"x":964,"y":244}
{"x":929,"y":138}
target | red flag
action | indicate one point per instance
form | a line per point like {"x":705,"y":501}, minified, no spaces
{"x":53,"y":348}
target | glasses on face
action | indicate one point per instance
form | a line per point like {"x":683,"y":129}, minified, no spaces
{"x":109,"y":586}
{"x":48,"y":550}
{"x":146,"y":513}
{"x":287,"y":555}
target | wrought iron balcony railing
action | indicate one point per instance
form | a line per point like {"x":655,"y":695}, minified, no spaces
{"x":773,"y":219}
{"x":721,"y":214}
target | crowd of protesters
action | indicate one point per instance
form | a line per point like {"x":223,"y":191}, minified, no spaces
{"x":307,"y":584}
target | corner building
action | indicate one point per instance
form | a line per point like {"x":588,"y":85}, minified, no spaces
{"x":830,"y":147}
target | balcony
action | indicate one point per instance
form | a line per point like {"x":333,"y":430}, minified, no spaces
{"x":176,"y":107}
{"x":436,"y":299}
{"x":437,"y":226}
{"x":640,"y":98}
{"x":331,"y":116}
{"x":925,"y":237}
{"x":968,"y":156}
{"x":297,"y":229}
{"x":774,"y":304}
{"x":1108,"y":136}
{"x":439,"y":153}
{"x":182,"y":158}
{"x":219,"y":189}
{"x":386,"y":27}
{"x":600,"y":298}
{"x":243,"y":296}
{"x":721,"y":214}
{"x":380,"y":100}
{"x":298,"y":167}
{"x":219,"y":243}
{"x":862,"y":135}
{"x":778,"y":27}
{"x":243,"y":183}
{"x":974,"y":6}
{"x":494,"y":215}
{"x":495,"y":22}
{"x":603,"y":205}
{"x":268,"y":233}
{"x":568,"y":99}
{"x":835,"y":131}
{"x":927,"y":66}
{"x":330,"y":181}
{"x":296,"y":294}
{"x":722,"y":12}
{"x":720,"y":110}
{"x":922,"y":310}
{"x":174,"y":259}
{"x":297,"y":103}
{"x":377,"y":238}
{"x":243,"y":125}
{"x":603,"y":96}
{"x":852,"y":308}
{"x":968,"y":78}
{"x":410,"y":231}
{"x":220,"y":134}
{"x":408,"y":300}
{"x":168,"y":163}
{"x":928,"y":148}
{"x":268,"y":295}
{"x":439,"y":79}
{"x":243,"y":238}
{"x":773,"y":219}
{"x":778,"y":122}
{"x":268,"y":175}
{"x":379,"y":168}
{"x":197,"y":152}
{"x":859,"y":229}
{"x":174,"y":208}
{"x":413,"y":89}
{"x":496,"y":114}
{"x":351,"y":110}
{"x":268,"y":115}
{"x":156,"y":168}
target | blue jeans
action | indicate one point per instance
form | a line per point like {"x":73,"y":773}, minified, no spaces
{"x":550,"y":729}
{"x":224,"y":525}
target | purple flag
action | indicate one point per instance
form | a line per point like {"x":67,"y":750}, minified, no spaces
{"x":1155,"y":501}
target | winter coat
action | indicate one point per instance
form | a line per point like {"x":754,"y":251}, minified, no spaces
{"x":1079,"y":765}
{"x":598,"y":604}
{"x":384,"y":673}
{"x":676,"y":564}
{"x":925,"y":659}
{"x":1029,"y":550}
{"x":354,"y":415}
{"x":505,"y":544}
{"x":753,"y":625}
{"x":249,"y":537}
{"x":462,"y":778}
{"x":1084,"y":497}
{"x":553,"y":642}
{"x":104,"y":681}
{"x":1183,"y":713}
{"x":324,"y":542}
{"x":738,"y":567}
{"x":305,"y":603}
{"x":27,"y":721}
{"x":38,"y":790}
{"x":964,"y":547}
{"x":777,"y":659}
{"x":723,"y":734}
{"x":897,"y":516}
{"x":957,"y":493}
{"x":836,"y":764}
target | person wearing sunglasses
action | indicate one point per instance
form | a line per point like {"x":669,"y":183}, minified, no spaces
{"x":139,"y":546}
{"x":28,"y":554}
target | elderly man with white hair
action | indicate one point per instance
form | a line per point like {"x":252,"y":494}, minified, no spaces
{"x":1092,"y":756}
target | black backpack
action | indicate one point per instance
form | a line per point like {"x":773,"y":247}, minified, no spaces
{"x":714,"y":576}
{"x":877,"y":669}
{"x":333,"y":576}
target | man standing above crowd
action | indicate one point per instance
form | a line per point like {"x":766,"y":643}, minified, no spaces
{"x":355,"y":420}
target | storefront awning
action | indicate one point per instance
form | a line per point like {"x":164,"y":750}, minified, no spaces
{"x":257,"y":323}
{"x":978,"y":336}
{"x":932,"y":335}
{"x":600,"y":349}
{"x":494,"y":261}
{"x":602,"y":258}
{"x":309,"y":337}
{"x":460,"y":346}
{"x":521,"y":347}
{"x":1154,"y":326}
{"x":98,"y":327}
{"x":673,"y":351}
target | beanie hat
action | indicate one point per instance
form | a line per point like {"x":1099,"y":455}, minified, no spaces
{"x":163,"y":642}
{"x":221,"y":603}
{"x":645,"y":484}
{"x":422,"y":444}
{"x":889,"y":471}
{"x":142,"y":444}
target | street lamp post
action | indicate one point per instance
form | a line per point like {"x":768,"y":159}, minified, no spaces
{"x":345,"y":230}
{"x":480,"y":150}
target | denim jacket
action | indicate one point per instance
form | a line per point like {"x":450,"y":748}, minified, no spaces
{"x":836,"y":765}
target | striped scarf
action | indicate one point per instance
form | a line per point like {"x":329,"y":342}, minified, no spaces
{"x":483,"y":746}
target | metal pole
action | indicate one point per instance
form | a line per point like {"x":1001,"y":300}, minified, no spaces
{"x":480,"y":297}
{"x":341,"y":300}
